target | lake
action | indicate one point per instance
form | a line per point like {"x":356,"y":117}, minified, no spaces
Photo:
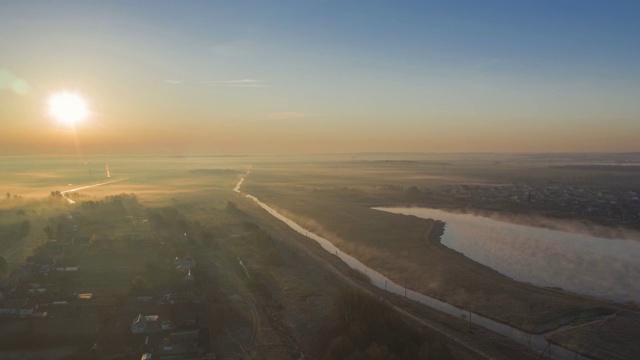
{"x":588,"y":265}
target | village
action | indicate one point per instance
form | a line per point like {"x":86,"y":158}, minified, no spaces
{"x":108,"y":295}
{"x":604,"y":205}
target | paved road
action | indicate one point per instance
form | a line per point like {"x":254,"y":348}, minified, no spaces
{"x":64,"y":193}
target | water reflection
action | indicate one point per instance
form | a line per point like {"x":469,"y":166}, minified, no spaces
{"x":604,"y":268}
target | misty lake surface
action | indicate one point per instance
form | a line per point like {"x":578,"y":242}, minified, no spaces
{"x":589,"y":265}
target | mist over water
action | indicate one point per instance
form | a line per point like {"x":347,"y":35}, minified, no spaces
{"x":589,"y":265}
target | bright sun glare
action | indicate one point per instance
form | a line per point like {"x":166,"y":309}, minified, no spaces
{"x":68,"y":108}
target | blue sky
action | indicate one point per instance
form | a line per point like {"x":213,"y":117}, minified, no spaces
{"x":327,"y":76}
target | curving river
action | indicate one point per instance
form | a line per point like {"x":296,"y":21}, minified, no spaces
{"x":537,"y":342}
{"x":604,"y":268}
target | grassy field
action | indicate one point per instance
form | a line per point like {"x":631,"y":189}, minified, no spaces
{"x":330,"y":195}
{"x":617,"y":336}
{"x":333,"y":200}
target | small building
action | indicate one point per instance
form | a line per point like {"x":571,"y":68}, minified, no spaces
{"x":17,"y":308}
{"x":145,"y":324}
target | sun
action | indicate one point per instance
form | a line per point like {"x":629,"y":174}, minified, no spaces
{"x":68,"y":108}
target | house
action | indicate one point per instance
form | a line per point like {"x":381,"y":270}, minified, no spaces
{"x":27,"y":311}
{"x":17,"y":308}
{"x":36,"y":288}
{"x":145,"y":324}
{"x":11,"y":307}
{"x":167,"y":325}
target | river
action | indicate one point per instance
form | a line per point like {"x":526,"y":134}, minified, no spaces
{"x":537,"y":342}
{"x":603,"y":268}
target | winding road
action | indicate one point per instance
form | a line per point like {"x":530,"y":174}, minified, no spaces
{"x":64,"y":193}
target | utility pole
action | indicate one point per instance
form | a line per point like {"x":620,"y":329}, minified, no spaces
{"x":405,"y":287}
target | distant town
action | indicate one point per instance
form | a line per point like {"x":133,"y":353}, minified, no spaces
{"x":598,"y":204}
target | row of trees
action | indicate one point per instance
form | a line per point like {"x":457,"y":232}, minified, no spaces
{"x":122,"y":203}
{"x":8,"y":196}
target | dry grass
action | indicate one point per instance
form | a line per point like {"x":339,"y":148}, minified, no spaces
{"x":397,"y":246}
{"x":613,"y":338}
{"x":330,"y":196}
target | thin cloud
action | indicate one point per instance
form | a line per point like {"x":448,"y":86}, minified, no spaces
{"x":244,"y":83}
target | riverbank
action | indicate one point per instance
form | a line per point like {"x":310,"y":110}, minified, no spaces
{"x":590,"y":266}
{"x":469,"y":340}
{"x":396,"y":245}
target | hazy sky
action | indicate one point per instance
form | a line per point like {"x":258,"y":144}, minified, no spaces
{"x":323,"y":76}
